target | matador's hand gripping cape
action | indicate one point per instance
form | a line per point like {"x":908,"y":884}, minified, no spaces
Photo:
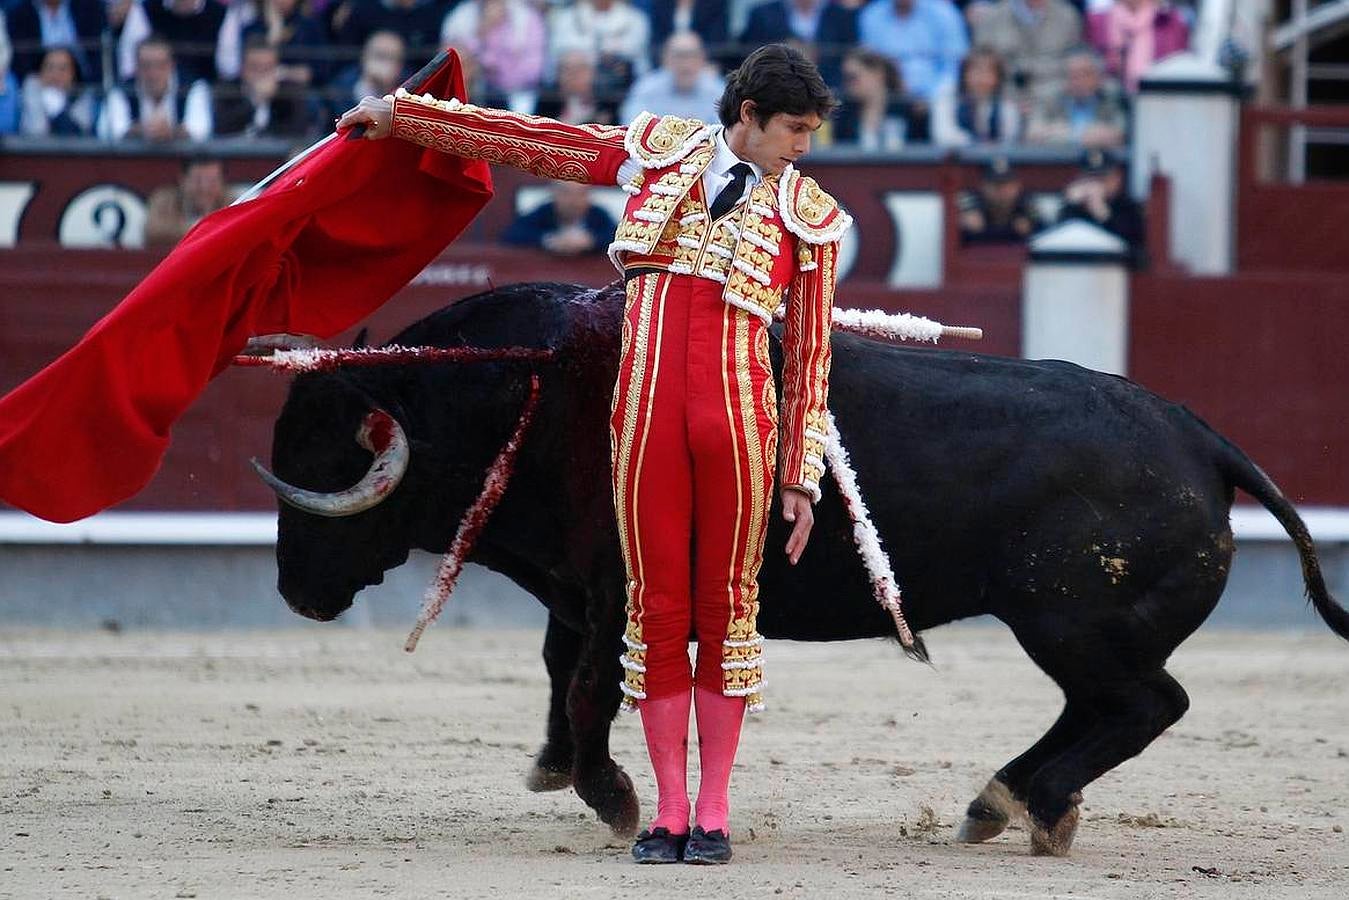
{"x":319,"y":249}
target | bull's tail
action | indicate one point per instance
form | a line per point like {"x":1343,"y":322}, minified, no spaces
{"x":1245,"y":474}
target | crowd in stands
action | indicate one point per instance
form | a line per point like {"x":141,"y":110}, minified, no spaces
{"x":949,"y":72}
{"x":998,"y":210}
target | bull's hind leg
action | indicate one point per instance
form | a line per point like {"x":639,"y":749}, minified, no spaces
{"x":592,"y":702}
{"x":1130,"y":714}
{"x":1003,"y":799}
{"x":553,"y":765}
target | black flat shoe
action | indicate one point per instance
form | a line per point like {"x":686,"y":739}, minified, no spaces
{"x":659,"y":846}
{"x":707,"y":848}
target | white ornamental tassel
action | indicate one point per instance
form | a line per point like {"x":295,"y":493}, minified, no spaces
{"x":876,"y":323}
{"x":874,"y":557}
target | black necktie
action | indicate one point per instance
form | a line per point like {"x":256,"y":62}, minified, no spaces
{"x":726,"y":198}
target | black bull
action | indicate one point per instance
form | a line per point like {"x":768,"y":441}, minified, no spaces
{"x":1087,"y":514}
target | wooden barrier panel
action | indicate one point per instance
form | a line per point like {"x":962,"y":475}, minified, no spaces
{"x":1261,"y":359}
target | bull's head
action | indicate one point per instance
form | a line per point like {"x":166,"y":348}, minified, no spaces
{"x":379,"y":433}
{"x":339,"y":458}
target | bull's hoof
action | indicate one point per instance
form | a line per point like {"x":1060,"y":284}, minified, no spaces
{"x":989,"y":814}
{"x":976,"y":830}
{"x":541,"y":780}
{"x":613,"y":798}
{"x":1056,"y":840}
{"x":551,"y":772}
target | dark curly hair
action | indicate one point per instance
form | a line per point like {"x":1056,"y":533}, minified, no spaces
{"x":778,"y":79}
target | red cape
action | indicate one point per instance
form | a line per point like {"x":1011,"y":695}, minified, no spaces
{"x":321,"y":248}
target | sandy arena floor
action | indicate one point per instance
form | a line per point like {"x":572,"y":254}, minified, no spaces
{"x":331,"y":764}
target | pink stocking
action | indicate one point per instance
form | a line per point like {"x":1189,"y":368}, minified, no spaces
{"x":719,"y":720}
{"x":666,"y":723}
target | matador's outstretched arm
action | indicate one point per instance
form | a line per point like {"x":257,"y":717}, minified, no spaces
{"x":541,"y":146}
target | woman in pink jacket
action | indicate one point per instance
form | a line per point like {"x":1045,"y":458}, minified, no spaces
{"x":1131,"y":35}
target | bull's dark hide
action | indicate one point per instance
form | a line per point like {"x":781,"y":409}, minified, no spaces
{"x":1086,"y":513}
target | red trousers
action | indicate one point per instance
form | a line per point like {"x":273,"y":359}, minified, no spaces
{"x":694,"y":447}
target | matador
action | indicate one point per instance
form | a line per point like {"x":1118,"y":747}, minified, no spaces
{"x":719,"y":230}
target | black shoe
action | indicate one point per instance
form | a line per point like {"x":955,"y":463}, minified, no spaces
{"x":707,"y":848}
{"x":659,"y":846}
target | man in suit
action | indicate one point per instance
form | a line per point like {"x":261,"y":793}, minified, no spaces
{"x":36,"y":25}
{"x":826,"y":26}
{"x":568,"y":225}
{"x":259,"y":104}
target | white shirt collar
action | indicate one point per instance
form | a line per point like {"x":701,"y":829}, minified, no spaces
{"x":725,"y":159}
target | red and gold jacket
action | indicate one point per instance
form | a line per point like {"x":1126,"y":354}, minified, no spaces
{"x":782,"y":247}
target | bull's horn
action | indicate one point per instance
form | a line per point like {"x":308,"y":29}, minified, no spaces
{"x":379,"y":433}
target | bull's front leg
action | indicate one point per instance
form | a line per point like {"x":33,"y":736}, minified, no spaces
{"x":552,"y":769}
{"x":592,"y":703}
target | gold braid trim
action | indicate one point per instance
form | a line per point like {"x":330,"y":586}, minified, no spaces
{"x":806,"y":371}
{"x":535,"y":144}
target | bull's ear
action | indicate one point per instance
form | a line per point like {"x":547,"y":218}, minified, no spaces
{"x":361,"y":339}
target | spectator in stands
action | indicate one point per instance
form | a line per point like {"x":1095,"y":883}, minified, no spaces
{"x":54,"y":102}
{"x":1131,"y":35}
{"x":173,"y":209}
{"x":1031,"y":36}
{"x":1098,"y":196}
{"x":128,"y":26}
{"x":259,"y":104}
{"x":154,"y":107}
{"x":9,"y":85}
{"x":229,"y":45}
{"x":997,"y":212}
{"x":479,"y":91}
{"x":192,"y":27}
{"x":979,"y":112}
{"x":876,"y":115}
{"x":299,"y":40}
{"x":617,"y":35}
{"x":1087,"y":112}
{"x":684,"y":85}
{"x":36,"y":25}
{"x":574,"y":100}
{"x":705,"y":18}
{"x":379,"y":72}
{"x":506,"y":37}
{"x":417,"y":21}
{"x":925,"y":38}
{"x":828,"y":26}
{"x":570,"y":225}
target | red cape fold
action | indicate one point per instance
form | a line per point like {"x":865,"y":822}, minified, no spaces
{"x":321,"y":248}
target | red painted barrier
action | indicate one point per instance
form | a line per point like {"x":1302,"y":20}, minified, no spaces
{"x":1261,"y":358}
{"x":1287,"y":227}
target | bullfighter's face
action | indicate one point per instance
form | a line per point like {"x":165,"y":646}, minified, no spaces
{"x":777,"y":143}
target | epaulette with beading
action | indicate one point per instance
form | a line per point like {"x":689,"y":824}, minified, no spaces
{"x":659,"y":141}
{"x":809,"y":212}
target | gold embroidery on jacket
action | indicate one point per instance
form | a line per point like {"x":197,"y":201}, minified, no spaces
{"x":642,"y":228}
{"x":475,"y":132}
{"x":670,"y":140}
